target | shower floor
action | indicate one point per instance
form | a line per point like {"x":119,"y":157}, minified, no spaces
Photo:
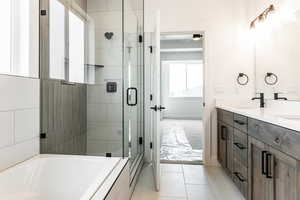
{"x":181,"y":141}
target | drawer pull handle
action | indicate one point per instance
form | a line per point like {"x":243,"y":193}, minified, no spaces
{"x":269,"y":165}
{"x":263,"y":162}
{"x":239,"y":122}
{"x":223,"y":132}
{"x":239,"y":145}
{"x":239,"y":176}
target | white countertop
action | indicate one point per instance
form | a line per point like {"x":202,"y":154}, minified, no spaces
{"x":274,"y":116}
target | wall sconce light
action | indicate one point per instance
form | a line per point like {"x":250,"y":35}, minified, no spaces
{"x":263,"y":16}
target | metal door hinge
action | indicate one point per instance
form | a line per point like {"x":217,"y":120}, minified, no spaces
{"x":43,"y":135}
{"x":151,"y":145}
{"x":43,"y":12}
{"x":140,"y":38}
{"x":140,"y":140}
{"x":151,"y":97}
{"x":129,"y":144}
{"x":108,"y":155}
{"x":151,"y":49}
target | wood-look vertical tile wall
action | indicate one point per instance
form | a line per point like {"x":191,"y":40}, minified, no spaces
{"x":63,"y":117}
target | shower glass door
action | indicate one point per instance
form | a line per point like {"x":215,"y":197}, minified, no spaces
{"x":133,"y":73}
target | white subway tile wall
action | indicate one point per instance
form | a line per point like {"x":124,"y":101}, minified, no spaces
{"x":19,"y":119}
{"x":104,"y":110}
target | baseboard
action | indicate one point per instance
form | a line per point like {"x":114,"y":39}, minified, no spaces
{"x":183,"y":118}
{"x":213,"y":161}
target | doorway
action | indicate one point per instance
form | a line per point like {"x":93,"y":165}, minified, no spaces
{"x":182,"y":85}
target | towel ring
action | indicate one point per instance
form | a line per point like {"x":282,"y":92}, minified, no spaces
{"x":268,"y":78}
{"x":240,"y":77}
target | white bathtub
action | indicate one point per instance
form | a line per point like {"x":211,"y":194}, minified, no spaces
{"x":57,"y":177}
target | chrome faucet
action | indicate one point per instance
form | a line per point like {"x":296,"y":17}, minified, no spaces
{"x":276,"y":97}
{"x":261,"y":98}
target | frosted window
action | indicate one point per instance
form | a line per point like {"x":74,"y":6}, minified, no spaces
{"x":5,"y":39}
{"x":57,"y":40}
{"x":26,"y":37}
{"x":185,"y":79}
{"x":76,"y":48}
{"x":19,"y":52}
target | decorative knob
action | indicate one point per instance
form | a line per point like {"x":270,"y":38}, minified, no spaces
{"x":277,"y":140}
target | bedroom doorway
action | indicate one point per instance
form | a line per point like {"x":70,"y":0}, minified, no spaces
{"x":182,"y":89}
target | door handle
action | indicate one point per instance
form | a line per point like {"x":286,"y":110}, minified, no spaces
{"x":155,"y":108}
{"x":239,"y":122}
{"x":239,"y":145}
{"x":239,"y":176}
{"x":223,"y":132}
{"x":160,"y":108}
{"x":269,"y":165}
{"x":263,"y":162}
{"x":128,"y":96}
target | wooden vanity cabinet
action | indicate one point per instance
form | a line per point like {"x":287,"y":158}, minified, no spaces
{"x":284,"y":176}
{"x":258,"y":183}
{"x":225,"y":139}
{"x":225,"y":135}
{"x":273,"y":175}
{"x":240,"y":161}
{"x":222,"y":150}
{"x":262,"y":159}
{"x":232,"y":148}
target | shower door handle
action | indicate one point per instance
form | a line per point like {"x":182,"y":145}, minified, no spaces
{"x":129,"y":96}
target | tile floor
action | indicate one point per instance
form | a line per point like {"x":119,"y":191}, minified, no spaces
{"x":186,"y":182}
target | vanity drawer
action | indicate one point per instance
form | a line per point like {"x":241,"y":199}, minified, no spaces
{"x":240,"y":122}
{"x":239,"y":176}
{"x":283,"y":139}
{"x":266,"y":132}
{"x":240,"y":147}
{"x":290,"y":143}
{"x":225,"y":116}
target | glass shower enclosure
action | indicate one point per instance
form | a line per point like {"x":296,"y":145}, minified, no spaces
{"x":92,"y":78}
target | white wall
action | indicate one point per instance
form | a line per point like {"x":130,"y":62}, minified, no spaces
{"x":227,"y":49}
{"x":19,"y":119}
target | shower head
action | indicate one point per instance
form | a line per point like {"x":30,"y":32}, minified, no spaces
{"x":109,"y":35}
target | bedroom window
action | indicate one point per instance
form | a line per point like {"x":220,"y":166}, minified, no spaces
{"x":185,"y":79}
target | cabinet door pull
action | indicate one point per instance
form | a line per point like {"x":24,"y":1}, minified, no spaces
{"x":269,"y":166}
{"x":239,"y":122}
{"x":263,"y":162}
{"x":224,"y":132}
{"x":239,"y":176}
{"x":239,"y":145}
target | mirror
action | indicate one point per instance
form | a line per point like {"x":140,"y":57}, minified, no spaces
{"x":277,"y":58}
